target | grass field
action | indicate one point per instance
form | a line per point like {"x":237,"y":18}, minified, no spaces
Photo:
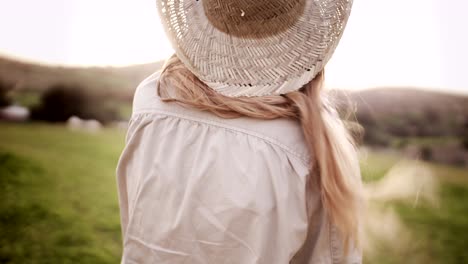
{"x":58,"y":201}
{"x":58,"y":195}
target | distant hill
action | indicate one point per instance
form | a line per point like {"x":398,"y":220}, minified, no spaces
{"x":399,"y":100}
{"x":115,"y":81}
{"x":388,"y":113}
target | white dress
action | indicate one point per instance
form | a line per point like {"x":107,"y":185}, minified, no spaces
{"x":195,"y":188}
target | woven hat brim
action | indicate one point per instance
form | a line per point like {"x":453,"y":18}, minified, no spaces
{"x":236,"y":66}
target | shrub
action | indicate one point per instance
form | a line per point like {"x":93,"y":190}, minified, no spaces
{"x":5,"y":88}
{"x":376,"y":137}
{"x":366,"y":119}
{"x":464,"y":143}
{"x":426,"y":153}
{"x":61,"y":102}
{"x":464,"y":137}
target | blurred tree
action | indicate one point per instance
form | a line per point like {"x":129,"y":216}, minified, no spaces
{"x":61,"y":102}
{"x":426,"y":153}
{"x":366,"y":119}
{"x":5,"y":88}
{"x":464,"y":134}
{"x":377,"y":137}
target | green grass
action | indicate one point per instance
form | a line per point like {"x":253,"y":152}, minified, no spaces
{"x":442,"y":229}
{"x":438,"y":232}
{"x":58,"y":195}
{"x":58,"y":201}
{"x":375,"y":166}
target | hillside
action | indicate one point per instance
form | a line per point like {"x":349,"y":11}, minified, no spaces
{"x":399,"y":100}
{"x":403,"y":112}
{"x":115,"y":81}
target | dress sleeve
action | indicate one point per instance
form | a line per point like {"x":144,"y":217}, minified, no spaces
{"x":122,"y":171}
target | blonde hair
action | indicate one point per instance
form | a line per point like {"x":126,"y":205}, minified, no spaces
{"x":335,"y":167}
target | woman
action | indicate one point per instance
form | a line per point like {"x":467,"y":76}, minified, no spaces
{"x":233,"y":154}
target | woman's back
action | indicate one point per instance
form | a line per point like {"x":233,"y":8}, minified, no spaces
{"x":196,"y":188}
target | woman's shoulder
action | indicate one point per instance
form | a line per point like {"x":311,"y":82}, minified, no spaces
{"x":146,"y":89}
{"x":283,"y":133}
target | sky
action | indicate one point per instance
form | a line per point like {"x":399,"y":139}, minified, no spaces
{"x":417,"y":43}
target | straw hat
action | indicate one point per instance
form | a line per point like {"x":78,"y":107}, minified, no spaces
{"x":254,"y":47}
